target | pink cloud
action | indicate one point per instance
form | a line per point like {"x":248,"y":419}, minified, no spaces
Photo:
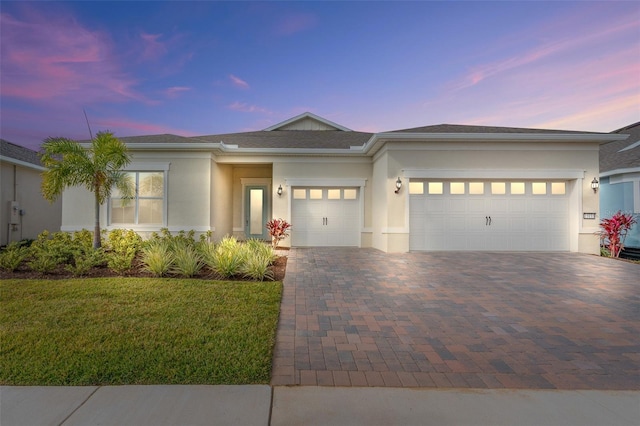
{"x":152,"y":49}
{"x":238,"y":82}
{"x":126,"y":127}
{"x":48,"y":57}
{"x":176,"y":91}
{"x":295,"y":23}
{"x":243,"y":107}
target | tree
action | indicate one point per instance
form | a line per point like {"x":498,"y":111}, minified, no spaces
{"x":98,"y":168}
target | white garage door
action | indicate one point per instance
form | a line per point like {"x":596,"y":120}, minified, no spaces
{"x":506,"y":215}
{"x":325,"y":217}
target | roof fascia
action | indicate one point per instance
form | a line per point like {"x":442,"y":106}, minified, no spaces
{"x":373,"y":144}
{"x":308,"y":115}
{"x":21,"y":163}
{"x":620,"y":171}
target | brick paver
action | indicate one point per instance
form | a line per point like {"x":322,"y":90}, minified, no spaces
{"x":361,"y":317}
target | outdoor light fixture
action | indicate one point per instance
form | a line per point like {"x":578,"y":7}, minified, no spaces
{"x":398,"y":185}
{"x":595,"y":185}
{"x":279,"y":190}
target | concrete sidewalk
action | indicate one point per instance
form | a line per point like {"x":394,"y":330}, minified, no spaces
{"x":264,"y":405}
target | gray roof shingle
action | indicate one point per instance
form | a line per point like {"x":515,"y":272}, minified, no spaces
{"x":459,"y":128}
{"x":20,"y":153}
{"x":613,"y":158}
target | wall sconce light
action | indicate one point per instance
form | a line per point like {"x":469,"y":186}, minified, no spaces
{"x":595,"y":185}
{"x":398,"y":185}
{"x":279,"y":190}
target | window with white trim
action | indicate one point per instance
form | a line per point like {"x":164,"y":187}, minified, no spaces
{"x":146,"y":207}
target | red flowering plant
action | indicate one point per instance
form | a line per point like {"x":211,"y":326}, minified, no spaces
{"x":279,"y":230}
{"x":613,"y":231}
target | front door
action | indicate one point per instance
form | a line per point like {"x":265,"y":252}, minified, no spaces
{"x":256,"y":211}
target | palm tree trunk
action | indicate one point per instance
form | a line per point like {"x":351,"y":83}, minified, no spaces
{"x":96,"y":229}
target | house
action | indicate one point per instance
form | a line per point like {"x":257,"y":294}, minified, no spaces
{"x":24,"y":213}
{"x":443,"y":187}
{"x":620,"y":178}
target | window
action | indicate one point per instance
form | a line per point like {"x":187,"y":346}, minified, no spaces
{"x":517,"y":188}
{"x":558,"y":188}
{"x":146,"y":207}
{"x":498,"y":188}
{"x":333,"y":194}
{"x":350,"y":194}
{"x":435,"y":187}
{"x":538,"y":188}
{"x":416,"y":188}
{"x":315,"y":194}
{"x":476,"y":188}
{"x":299,"y":194}
{"x":456,"y":188}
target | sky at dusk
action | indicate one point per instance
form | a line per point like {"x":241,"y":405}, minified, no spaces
{"x":197,"y":68}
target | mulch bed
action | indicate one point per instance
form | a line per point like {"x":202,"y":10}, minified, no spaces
{"x":279,"y":269}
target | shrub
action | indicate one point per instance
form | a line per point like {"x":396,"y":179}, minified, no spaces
{"x":123,"y":246}
{"x":278,"y":230}
{"x":83,"y":261}
{"x":257,"y":266}
{"x":157,"y":258}
{"x":226,"y":258}
{"x":614,"y":231}
{"x":187,"y":261}
{"x":12,"y":256}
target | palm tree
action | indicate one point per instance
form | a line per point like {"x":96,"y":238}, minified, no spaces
{"x":98,"y":169}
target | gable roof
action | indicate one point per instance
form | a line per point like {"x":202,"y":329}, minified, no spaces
{"x":622,"y":155}
{"x":18,"y":154}
{"x":306,"y":139}
{"x":307,"y":117}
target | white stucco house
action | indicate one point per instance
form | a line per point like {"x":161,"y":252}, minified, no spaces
{"x":442,"y":187}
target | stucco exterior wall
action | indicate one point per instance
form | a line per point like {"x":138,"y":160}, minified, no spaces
{"x":222,"y":196}
{"x":620,"y":196}
{"x":22,"y":184}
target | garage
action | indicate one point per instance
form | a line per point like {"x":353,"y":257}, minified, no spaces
{"x":325,"y":217}
{"x":505,"y":215}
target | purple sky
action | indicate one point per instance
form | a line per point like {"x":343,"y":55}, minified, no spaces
{"x":195,"y":68}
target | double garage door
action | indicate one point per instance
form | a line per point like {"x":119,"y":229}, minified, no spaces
{"x":474,"y":215}
{"x":325,"y":217}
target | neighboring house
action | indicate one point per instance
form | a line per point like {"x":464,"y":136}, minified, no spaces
{"x":24,"y":213}
{"x":620,"y":178}
{"x":462,"y":187}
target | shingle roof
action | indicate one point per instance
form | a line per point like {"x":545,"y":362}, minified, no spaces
{"x":20,"y":153}
{"x":458,"y":128}
{"x":320,"y":139}
{"x":612,"y":156}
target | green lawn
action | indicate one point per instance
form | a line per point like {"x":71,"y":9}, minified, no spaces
{"x":112,"y":331}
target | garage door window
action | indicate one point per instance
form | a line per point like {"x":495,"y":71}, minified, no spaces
{"x":558,"y":188}
{"x":457,"y":188}
{"x":435,"y":188}
{"x":333,"y":194}
{"x":299,"y":194}
{"x":416,"y":188}
{"x":476,"y":188}
{"x":517,"y":188}
{"x":498,"y":188}
{"x":315,"y":194}
{"x":539,"y":188}
{"x":350,"y":194}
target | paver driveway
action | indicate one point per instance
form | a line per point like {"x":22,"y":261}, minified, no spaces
{"x":361,"y":317}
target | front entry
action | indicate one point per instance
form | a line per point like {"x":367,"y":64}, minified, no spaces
{"x":256,"y":212}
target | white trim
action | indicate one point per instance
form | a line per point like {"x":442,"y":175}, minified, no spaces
{"x":620,"y":171}
{"x":309,"y":182}
{"x":139,"y":166}
{"x":21,"y":163}
{"x":492,"y":174}
{"x":396,"y":230}
{"x":268,"y":182}
{"x":633,"y":145}
{"x":308,"y":115}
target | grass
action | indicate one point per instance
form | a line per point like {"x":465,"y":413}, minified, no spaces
{"x":106,"y":331}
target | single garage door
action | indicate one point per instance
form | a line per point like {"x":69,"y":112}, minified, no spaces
{"x":504,"y":215}
{"x":325,"y":217}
